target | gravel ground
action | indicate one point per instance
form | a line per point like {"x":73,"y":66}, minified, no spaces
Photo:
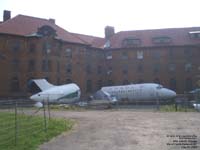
{"x":128,"y":130}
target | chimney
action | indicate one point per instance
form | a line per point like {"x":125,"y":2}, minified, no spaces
{"x":52,"y":20}
{"x":109,"y":32}
{"x":6,"y":15}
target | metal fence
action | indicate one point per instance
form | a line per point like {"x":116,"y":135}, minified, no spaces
{"x":18,"y":122}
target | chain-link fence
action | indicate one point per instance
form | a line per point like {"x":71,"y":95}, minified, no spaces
{"x":19,"y":121}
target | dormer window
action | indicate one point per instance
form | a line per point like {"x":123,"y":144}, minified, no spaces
{"x":46,"y":31}
{"x":194,"y":34}
{"x":131,"y":42}
{"x":162,"y":40}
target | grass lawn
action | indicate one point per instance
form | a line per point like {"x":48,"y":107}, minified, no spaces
{"x":29,"y":132}
{"x":172,"y":108}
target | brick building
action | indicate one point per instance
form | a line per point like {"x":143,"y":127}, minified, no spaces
{"x":37,"y":48}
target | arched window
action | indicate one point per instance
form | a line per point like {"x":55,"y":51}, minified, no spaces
{"x":188,"y":84}
{"x":172,"y":83}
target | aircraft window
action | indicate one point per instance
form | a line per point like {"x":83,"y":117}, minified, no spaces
{"x":159,"y":87}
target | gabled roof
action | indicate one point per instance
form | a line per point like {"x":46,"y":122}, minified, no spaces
{"x":179,"y":37}
{"x":26,"y":25}
{"x":97,"y":42}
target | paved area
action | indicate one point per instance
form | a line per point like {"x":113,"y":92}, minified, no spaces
{"x":128,"y":130}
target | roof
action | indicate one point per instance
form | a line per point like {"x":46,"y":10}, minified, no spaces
{"x":26,"y":25}
{"x":179,"y":36}
{"x":97,"y":42}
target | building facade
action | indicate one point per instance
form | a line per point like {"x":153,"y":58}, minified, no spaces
{"x":37,"y":48}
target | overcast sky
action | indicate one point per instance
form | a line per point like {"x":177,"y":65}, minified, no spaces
{"x":91,"y":16}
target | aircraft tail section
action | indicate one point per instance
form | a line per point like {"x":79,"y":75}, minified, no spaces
{"x":43,"y":84}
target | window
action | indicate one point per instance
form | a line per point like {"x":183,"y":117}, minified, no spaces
{"x":68,"y":53}
{"x":124,"y":55}
{"x":31,"y":65}
{"x":16,"y":46}
{"x":140,"y":81}
{"x":188,"y":67}
{"x":68,"y":81}
{"x":110,"y":83}
{"x":88,"y":69}
{"x":156,"y":80}
{"x":140,"y":68}
{"x":156,"y":68}
{"x":109,"y":70}
{"x":58,"y":66}
{"x":125,"y":82}
{"x":32,"y":48}
{"x":69,"y":68}
{"x":15,"y":65}
{"x":15,"y":84}
{"x":172,"y":83}
{"x":156,"y":55}
{"x":88,"y":54}
{"x":109,"y":55}
{"x":171,"y":53}
{"x":46,"y":65}
{"x":194,"y":34}
{"x":46,"y":48}
{"x":58,"y":80}
{"x":131,"y":42}
{"x":161,"y":40}
{"x":188,"y":54}
{"x":99,"y":69}
{"x":99,"y":84}
{"x":139,"y":54}
{"x":188,"y":84}
{"x":46,"y":31}
{"x":125,"y":70}
{"x":172,"y":67}
{"x":89,"y":86}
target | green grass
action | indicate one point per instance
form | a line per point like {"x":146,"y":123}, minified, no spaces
{"x":30,"y":131}
{"x":171,"y":108}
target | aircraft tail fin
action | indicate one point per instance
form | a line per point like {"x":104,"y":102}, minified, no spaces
{"x":43,"y":84}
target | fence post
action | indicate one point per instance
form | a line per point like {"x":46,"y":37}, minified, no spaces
{"x":48,"y":108}
{"x":157,"y":102}
{"x":16,"y":124}
{"x":45,"y":121}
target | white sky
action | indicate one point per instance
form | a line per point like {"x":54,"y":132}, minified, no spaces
{"x":91,"y":16}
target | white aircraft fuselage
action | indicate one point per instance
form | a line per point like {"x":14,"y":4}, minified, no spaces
{"x":145,"y":91}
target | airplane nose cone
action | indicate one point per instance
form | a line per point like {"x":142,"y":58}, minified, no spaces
{"x":166,"y":93}
{"x":171,"y":94}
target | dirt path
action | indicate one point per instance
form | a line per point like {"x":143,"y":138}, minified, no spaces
{"x":127,"y":130}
